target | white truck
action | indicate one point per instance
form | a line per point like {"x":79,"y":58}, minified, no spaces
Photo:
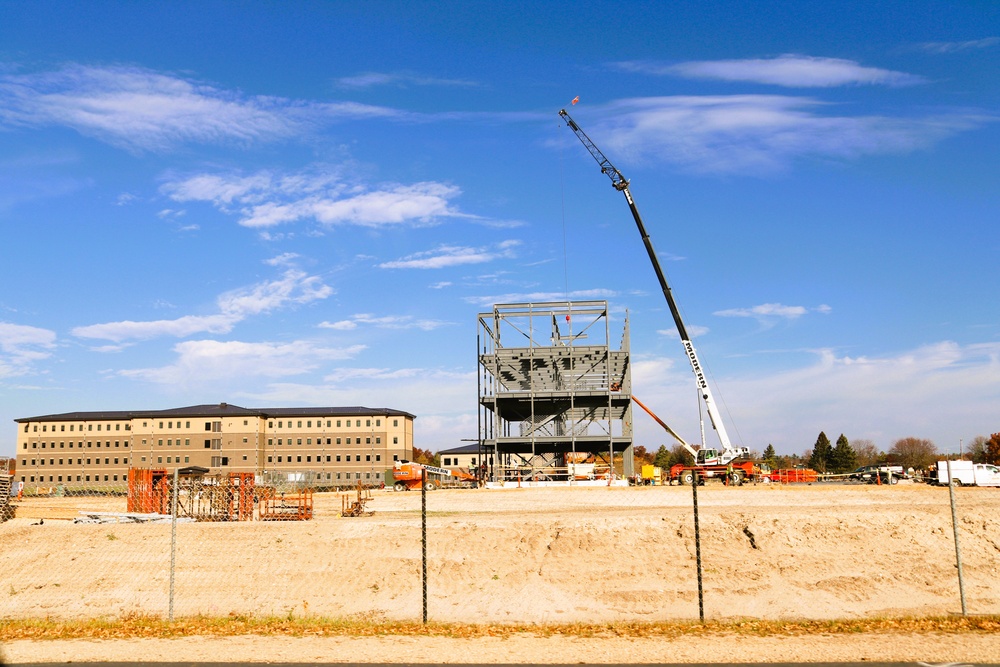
{"x":967,"y":473}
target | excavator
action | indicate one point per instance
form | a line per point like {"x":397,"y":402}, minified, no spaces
{"x":703,"y":456}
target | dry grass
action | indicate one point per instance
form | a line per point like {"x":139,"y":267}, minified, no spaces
{"x":137,"y":626}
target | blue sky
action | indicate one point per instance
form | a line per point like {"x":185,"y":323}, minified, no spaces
{"x":278,"y":204}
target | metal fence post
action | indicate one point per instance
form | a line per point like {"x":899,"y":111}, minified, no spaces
{"x":423,"y":538}
{"x":958,"y":550}
{"x":173,"y":543}
{"x":697,"y":545}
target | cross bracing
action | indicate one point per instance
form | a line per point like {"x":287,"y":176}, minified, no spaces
{"x":550,"y":386}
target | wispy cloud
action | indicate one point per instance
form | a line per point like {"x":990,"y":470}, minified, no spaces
{"x":956,"y":47}
{"x":21,"y":346}
{"x":143,"y":110}
{"x":790,"y":70}
{"x":208,"y":361}
{"x":384,"y":322}
{"x":266,"y":199}
{"x":446,"y":256}
{"x":400,"y":80}
{"x":693,"y":330}
{"x":882,"y":398}
{"x":539,"y":297}
{"x":293,"y":287}
{"x":759,"y":134}
{"x":770,"y":311}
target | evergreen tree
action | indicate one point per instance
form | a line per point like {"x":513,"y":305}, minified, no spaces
{"x":820,"y":458}
{"x":770,"y":455}
{"x":843,"y":458}
{"x":662,"y":458}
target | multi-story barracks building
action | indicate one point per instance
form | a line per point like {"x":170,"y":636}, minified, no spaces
{"x":322,"y":446}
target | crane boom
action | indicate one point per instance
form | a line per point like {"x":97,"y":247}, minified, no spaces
{"x":620,"y":183}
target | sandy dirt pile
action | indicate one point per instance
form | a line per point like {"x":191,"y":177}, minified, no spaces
{"x":555,"y":555}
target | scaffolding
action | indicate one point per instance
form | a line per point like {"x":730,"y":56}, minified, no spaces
{"x":552,"y":392}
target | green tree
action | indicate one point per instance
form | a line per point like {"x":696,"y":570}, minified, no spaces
{"x":820,"y":458}
{"x":662,"y":458}
{"x":992,"y":454}
{"x":770,"y":455}
{"x":842,"y":458}
{"x":680,"y":455}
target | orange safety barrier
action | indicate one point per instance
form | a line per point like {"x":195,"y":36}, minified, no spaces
{"x":790,"y":475}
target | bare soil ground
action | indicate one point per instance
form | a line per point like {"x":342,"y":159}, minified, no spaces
{"x":534,"y":556}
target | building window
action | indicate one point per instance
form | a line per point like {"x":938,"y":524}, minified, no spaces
{"x":395,"y":440}
{"x":378,"y":457}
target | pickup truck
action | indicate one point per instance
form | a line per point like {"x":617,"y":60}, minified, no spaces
{"x":967,"y":473}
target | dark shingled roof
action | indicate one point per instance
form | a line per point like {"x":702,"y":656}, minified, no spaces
{"x":217,"y":410}
{"x":464,"y":449}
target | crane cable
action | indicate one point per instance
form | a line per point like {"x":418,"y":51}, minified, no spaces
{"x":562,"y":197}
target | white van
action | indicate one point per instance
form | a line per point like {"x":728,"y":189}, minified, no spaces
{"x":967,"y":473}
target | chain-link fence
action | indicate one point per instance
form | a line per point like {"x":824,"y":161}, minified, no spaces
{"x":526,"y":552}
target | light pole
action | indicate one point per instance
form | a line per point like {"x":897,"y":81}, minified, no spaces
{"x":961,"y":455}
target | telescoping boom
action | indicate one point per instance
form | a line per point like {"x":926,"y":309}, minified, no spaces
{"x":620,"y":183}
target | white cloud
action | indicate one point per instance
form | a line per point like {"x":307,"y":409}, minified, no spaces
{"x":294,"y":287}
{"x":143,"y":110}
{"x":941,"y":391}
{"x":767,"y":310}
{"x":693,"y":330}
{"x":400,"y":80}
{"x":202,"y":362}
{"x":447,"y":256}
{"x":265,"y":199}
{"x":21,"y":346}
{"x":788,"y":70}
{"x":756,"y":134}
{"x":539,"y":297}
{"x":384,"y":322}
{"x":956,"y":47}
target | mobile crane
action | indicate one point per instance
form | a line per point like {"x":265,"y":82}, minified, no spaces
{"x":709,"y":462}
{"x":728,"y":453}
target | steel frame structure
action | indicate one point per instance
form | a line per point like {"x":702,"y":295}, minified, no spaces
{"x":551,"y":388}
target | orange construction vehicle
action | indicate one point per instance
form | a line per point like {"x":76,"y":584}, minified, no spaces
{"x":409,"y":475}
{"x":729,"y":465}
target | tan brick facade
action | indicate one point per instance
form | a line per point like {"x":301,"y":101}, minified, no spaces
{"x":324,"y":446}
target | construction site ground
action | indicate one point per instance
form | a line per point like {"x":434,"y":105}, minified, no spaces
{"x":536,"y":557}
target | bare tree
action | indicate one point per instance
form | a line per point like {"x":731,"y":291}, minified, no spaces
{"x":977,"y":448}
{"x":865,"y":451}
{"x":913,"y":452}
